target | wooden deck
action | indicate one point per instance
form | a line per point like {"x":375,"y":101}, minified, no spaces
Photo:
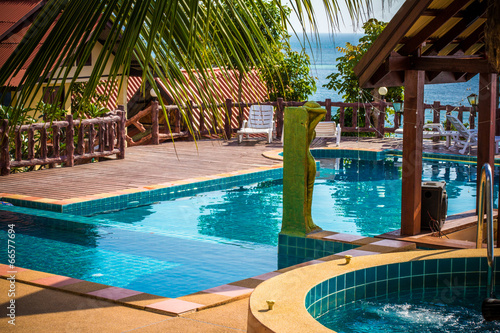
{"x":150,"y":165}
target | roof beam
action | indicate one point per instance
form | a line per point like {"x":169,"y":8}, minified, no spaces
{"x":404,"y":19}
{"x":452,"y":64}
{"x":474,"y":11}
{"x":431,"y":27}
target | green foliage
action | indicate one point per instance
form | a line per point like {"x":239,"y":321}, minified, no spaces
{"x":347,"y":83}
{"x":288,"y":76}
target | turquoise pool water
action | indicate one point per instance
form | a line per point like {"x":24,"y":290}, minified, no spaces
{"x":188,"y":244}
{"x":439,"y":310}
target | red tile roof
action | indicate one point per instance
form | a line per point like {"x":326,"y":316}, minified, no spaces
{"x":13,"y":11}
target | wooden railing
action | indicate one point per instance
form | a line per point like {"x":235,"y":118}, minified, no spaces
{"x":231,"y":116}
{"x":96,"y":138}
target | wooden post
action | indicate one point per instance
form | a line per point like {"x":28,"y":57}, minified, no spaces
{"x":4,"y":148}
{"x":19,"y":143}
{"x":436,"y":116}
{"x":80,"y":149}
{"x":342,"y":117}
{"x":411,"y":194}
{"x":472,"y":117}
{"x":448,"y":112}
{"x":328,"y":107}
{"x":189,"y":110}
{"x":355,"y":117}
{"x":121,"y":133}
{"x":280,"y":112}
{"x":70,"y":142}
{"x":155,"y":126}
{"x":381,"y":119}
{"x":31,"y":142}
{"x":486,"y":124}
{"x":229,"y":114}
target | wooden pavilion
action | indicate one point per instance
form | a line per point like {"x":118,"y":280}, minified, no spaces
{"x":429,"y":42}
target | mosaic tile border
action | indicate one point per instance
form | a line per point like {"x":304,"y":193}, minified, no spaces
{"x":145,"y":195}
{"x":383,"y":280}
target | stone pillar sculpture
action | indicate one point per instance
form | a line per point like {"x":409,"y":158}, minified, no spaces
{"x":299,"y":169}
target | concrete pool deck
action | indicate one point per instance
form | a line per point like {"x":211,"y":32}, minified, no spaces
{"x":43,"y":308}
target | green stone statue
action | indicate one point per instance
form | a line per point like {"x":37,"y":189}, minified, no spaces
{"x":299,"y":169}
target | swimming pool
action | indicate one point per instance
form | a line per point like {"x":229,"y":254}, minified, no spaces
{"x":212,"y":237}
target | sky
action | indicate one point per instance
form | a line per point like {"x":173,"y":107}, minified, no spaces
{"x":346,"y":26}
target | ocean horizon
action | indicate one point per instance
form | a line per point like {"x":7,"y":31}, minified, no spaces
{"x":324,"y":60}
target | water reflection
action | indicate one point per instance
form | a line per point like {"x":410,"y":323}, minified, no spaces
{"x":246,"y":213}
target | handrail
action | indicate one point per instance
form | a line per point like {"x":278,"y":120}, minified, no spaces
{"x":485,"y":203}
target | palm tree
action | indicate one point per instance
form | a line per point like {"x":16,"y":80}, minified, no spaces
{"x":159,"y":37}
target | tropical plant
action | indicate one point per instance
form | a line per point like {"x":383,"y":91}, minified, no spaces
{"x":162,"y":38}
{"x":347,"y":83}
{"x":288,"y":76}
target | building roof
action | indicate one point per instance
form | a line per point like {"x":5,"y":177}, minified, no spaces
{"x":444,"y":38}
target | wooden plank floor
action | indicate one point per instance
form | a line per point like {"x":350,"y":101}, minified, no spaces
{"x":150,"y":165}
{"x":142,"y":166}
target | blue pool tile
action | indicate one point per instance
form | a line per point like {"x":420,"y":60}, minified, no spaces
{"x":301,"y":242}
{"x":370,"y":274}
{"x":360,"y":292}
{"x":431,"y":267}
{"x":392,"y":271}
{"x":324,"y":305}
{"x":417,"y":282}
{"x":324,"y":288}
{"x":300,"y":252}
{"x":332,"y":285}
{"x":309,"y":243}
{"x":360,"y":277}
{"x":444,"y":265}
{"x":458,"y":265}
{"x":370,"y":290}
{"x":473,"y":264}
{"x":472,"y":279}
{"x":292,"y":241}
{"x":340,"y":298}
{"x":458,"y":279}
{"x":381,"y":273}
{"x":309,"y":253}
{"x":417,"y":268}
{"x":404,"y":284}
{"x":350,"y":295}
{"x":381,"y":288}
{"x":392,"y":286}
{"x":430,"y":280}
{"x":332,"y":302}
{"x":341,"y":282}
{"x":349,"y":280}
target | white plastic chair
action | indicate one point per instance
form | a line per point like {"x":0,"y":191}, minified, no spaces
{"x":328,"y":129}
{"x":431,"y":130}
{"x":260,"y":120}
{"x":465,"y":138}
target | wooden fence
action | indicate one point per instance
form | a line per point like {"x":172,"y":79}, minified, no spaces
{"x":231,"y":116}
{"x":55,"y":142}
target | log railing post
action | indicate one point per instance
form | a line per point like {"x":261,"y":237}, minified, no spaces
{"x":328,"y":107}
{"x":279,"y":117}
{"x":121,"y":133}
{"x":355,"y":117}
{"x":19,"y":145}
{"x":342,"y":117}
{"x":448,"y":112}
{"x":436,"y":116}
{"x":155,"y":126}
{"x":70,"y":142}
{"x":381,"y":120}
{"x":472,"y":116}
{"x":4,"y":148}
{"x":229,"y":114}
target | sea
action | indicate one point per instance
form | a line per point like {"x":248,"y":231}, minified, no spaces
{"x":323,"y":56}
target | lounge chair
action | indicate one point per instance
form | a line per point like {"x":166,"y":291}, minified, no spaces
{"x":431,"y":130}
{"x":466,"y":137}
{"x":260,"y":121}
{"x":327,"y":129}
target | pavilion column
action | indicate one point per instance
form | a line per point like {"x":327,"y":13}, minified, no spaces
{"x":411,"y":195}
{"x":487,"y":107}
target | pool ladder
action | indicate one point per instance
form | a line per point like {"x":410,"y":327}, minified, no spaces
{"x":486,"y":203}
